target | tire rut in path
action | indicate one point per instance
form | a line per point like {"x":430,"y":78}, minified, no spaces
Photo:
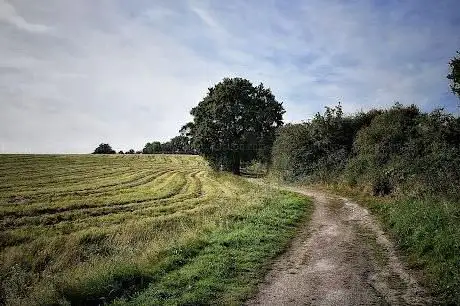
{"x":341,"y":257}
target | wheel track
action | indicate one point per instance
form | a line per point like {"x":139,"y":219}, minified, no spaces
{"x":70,"y":177}
{"x":107,"y":183}
{"x":81,"y":213}
{"x":57,"y":207}
{"x":188,"y":197}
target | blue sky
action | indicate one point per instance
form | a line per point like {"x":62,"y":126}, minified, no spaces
{"x":74,"y":74}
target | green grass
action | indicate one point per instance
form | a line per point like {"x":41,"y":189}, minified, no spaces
{"x":427,"y":231}
{"x":135,"y":229}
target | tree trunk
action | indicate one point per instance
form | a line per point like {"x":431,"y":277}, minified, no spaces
{"x":236,"y":163}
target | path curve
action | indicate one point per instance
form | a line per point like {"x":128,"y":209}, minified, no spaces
{"x":341,"y":257}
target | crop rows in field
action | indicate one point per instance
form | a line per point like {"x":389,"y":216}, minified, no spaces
{"x":69,"y":220}
{"x":96,"y":229}
{"x":58,"y":195}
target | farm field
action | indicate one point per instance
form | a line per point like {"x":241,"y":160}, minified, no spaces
{"x":135,"y":229}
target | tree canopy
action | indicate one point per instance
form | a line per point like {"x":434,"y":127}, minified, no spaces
{"x":454,"y":75}
{"x":234,"y":123}
{"x":104,"y":148}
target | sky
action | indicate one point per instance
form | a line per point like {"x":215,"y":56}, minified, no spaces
{"x":74,"y":74}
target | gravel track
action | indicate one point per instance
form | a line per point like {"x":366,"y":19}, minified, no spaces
{"x":340,"y":257}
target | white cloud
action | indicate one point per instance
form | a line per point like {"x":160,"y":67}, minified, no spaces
{"x":8,"y":14}
{"x":129,"y":72}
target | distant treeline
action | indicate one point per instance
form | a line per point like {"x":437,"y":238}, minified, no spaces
{"x":177,"y":145}
{"x":400,"y":149}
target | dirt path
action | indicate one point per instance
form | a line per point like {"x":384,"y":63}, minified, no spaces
{"x":341,"y":257}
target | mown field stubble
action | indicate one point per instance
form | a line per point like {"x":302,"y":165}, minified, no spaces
{"x":135,"y":229}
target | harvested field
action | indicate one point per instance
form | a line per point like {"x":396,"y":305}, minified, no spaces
{"x":138,"y":229}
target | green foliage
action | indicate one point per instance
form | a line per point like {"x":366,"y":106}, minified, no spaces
{"x":317,"y":149}
{"x":378,"y":145}
{"x":177,"y":145}
{"x":234,"y":123}
{"x":454,"y":75}
{"x":290,"y":151}
{"x":104,"y":148}
{"x":398,"y":150}
{"x":180,"y":144}
{"x":152,"y":148}
{"x":406,"y":151}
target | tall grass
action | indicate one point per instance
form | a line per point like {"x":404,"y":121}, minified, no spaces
{"x":428,"y":231}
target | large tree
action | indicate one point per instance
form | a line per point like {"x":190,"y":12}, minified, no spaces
{"x":234,"y":123}
{"x":454,"y":75}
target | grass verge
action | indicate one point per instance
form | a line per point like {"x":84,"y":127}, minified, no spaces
{"x":225,"y":265}
{"x":427,"y":231}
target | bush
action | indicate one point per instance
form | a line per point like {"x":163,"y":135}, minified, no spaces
{"x":405,"y":150}
{"x":319,"y":149}
{"x":398,"y":150}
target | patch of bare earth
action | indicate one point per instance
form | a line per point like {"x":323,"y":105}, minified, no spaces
{"x":341,"y":257}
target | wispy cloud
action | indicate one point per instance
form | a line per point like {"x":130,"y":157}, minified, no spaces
{"x":76,"y":73}
{"x":9,"y":15}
